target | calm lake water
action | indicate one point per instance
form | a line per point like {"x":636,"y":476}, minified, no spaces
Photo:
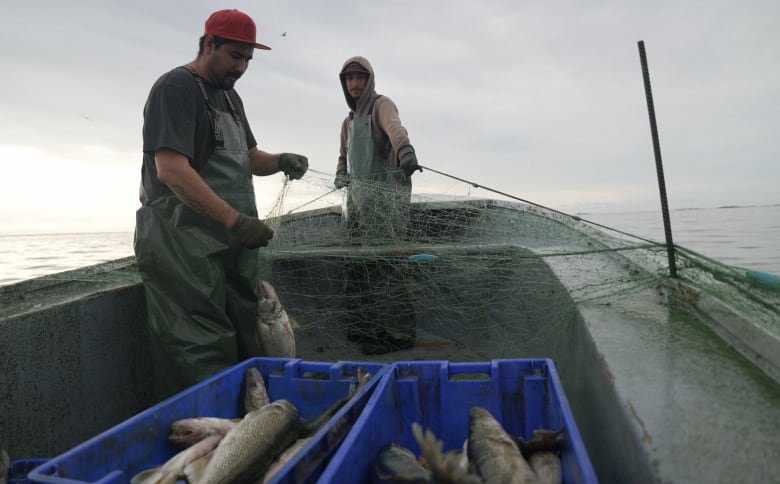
{"x":747,"y":237}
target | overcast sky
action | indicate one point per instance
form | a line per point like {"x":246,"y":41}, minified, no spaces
{"x":543,"y":100}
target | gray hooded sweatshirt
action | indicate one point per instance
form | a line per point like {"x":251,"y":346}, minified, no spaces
{"x":389,"y":135}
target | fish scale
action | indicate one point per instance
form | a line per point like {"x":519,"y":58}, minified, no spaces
{"x":494,"y":452}
{"x":248,"y":449}
{"x":275,"y":333}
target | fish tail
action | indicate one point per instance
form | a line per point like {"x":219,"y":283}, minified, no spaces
{"x":194,"y":471}
{"x":155,"y":475}
{"x":430,"y":446}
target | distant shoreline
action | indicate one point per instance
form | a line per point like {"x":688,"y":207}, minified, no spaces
{"x":577,"y":214}
{"x":678,"y":209}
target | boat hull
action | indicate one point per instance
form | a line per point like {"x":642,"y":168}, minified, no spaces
{"x":658,"y":393}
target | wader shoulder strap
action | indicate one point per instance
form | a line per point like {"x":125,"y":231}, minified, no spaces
{"x":211,"y":107}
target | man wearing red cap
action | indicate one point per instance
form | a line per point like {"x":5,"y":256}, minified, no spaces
{"x":376,"y":162}
{"x":197,"y":231}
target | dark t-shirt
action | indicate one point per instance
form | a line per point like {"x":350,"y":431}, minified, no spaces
{"x":176,"y":117}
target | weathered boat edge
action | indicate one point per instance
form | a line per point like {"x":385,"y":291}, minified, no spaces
{"x":99,"y":313}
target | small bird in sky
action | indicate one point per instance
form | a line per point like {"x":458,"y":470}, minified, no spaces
{"x":85,"y":117}
{"x":284,"y":34}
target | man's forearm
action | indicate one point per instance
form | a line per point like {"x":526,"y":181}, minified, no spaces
{"x":199,"y":200}
{"x":175,"y":171}
{"x":263,"y":163}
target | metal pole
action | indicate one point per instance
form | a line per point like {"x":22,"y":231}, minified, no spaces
{"x":658,"y":163}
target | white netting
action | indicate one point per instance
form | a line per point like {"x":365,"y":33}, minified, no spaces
{"x":467,"y":278}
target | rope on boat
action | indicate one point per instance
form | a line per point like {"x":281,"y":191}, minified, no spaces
{"x":575,"y":217}
{"x":311,"y":201}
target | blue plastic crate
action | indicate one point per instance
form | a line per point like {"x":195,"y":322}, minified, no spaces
{"x":18,"y":470}
{"x":141,"y":442}
{"x":523,"y":395}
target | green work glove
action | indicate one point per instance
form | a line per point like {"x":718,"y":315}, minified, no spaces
{"x":251,"y":231}
{"x":293,"y":165}
{"x":342,"y":179}
{"x":409,"y":164}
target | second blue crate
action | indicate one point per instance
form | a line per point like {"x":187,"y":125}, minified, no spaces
{"x":522,"y":394}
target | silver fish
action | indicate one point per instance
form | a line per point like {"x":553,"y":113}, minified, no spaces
{"x":246,"y":452}
{"x":397,"y":464}
{"x":189,"y":431}
{"x":446,"y":467}
{"x":174,"y":469}
{"x":494,"y":453}
{"x":543,"y":440}
{"x":5,"y":465}
{"x":220,"y":450}
{"x":274,"y":327}
{"x":547,"y":466}
{"x":284,"y":458}
{"x":310,"y":427}
{"x":307,"y":428}
{"x":255,"y":393}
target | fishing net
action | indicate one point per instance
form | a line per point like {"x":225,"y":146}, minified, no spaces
{"x":459,"y":279}
{"x":449,"y":277}
{"x":464,"y":278}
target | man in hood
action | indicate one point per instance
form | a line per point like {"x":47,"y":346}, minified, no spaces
{"x":375,"y":164}
{"x":374,"y":151}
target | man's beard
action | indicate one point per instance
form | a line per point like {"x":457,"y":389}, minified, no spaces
{"x":229,"y":81}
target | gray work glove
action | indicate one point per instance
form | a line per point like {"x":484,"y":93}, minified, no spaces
{"x":251,"y":231}
{"x":409,"y":164}
{"x":294,"y":166}
{"x":342,"y":179}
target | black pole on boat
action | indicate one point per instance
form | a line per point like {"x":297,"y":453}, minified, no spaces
{"x":658,"y":163}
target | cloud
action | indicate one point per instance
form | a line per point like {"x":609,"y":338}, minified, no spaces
{"x":525,"y":97}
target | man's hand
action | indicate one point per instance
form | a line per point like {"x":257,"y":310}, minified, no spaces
{"x":294,"y":166}
{"x":342,"y":179}
{"x":251,"y":231}
{"x":409,"y":164}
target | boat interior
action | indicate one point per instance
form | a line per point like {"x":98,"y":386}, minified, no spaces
{"x":658,"y":388}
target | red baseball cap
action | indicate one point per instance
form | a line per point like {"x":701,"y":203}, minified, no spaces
{"x":235,"y":25}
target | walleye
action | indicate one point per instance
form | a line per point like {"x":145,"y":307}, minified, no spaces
{"x":255,"y":393}
{"x":547,"y":466}
{"x":396,"y":464}
{"x":189,"y":431}
{"x":307,"y":428}
{"x":543,"y":440}
{"x":542,"y":454}
{"x":310,"y":427}
{"x":284,"y":458}
{"x":5,"y":465}
{"x":494,"y":453}
{"x":451,"y":467}
{"x":246,"y":452}
{"x":221,"y":450}
{"x":174,"y":468}
{"x":274,"y":327}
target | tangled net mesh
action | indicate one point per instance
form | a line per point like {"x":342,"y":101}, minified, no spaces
{"x":469,"y":279}
{"x":466,"y":278}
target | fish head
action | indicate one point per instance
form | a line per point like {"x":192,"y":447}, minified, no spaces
{"x":266,"y":291}
{"x":189,"y":431}
{"x":265,"y":306}
{"x":267,"y":299}
{"x":286,"y":406}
